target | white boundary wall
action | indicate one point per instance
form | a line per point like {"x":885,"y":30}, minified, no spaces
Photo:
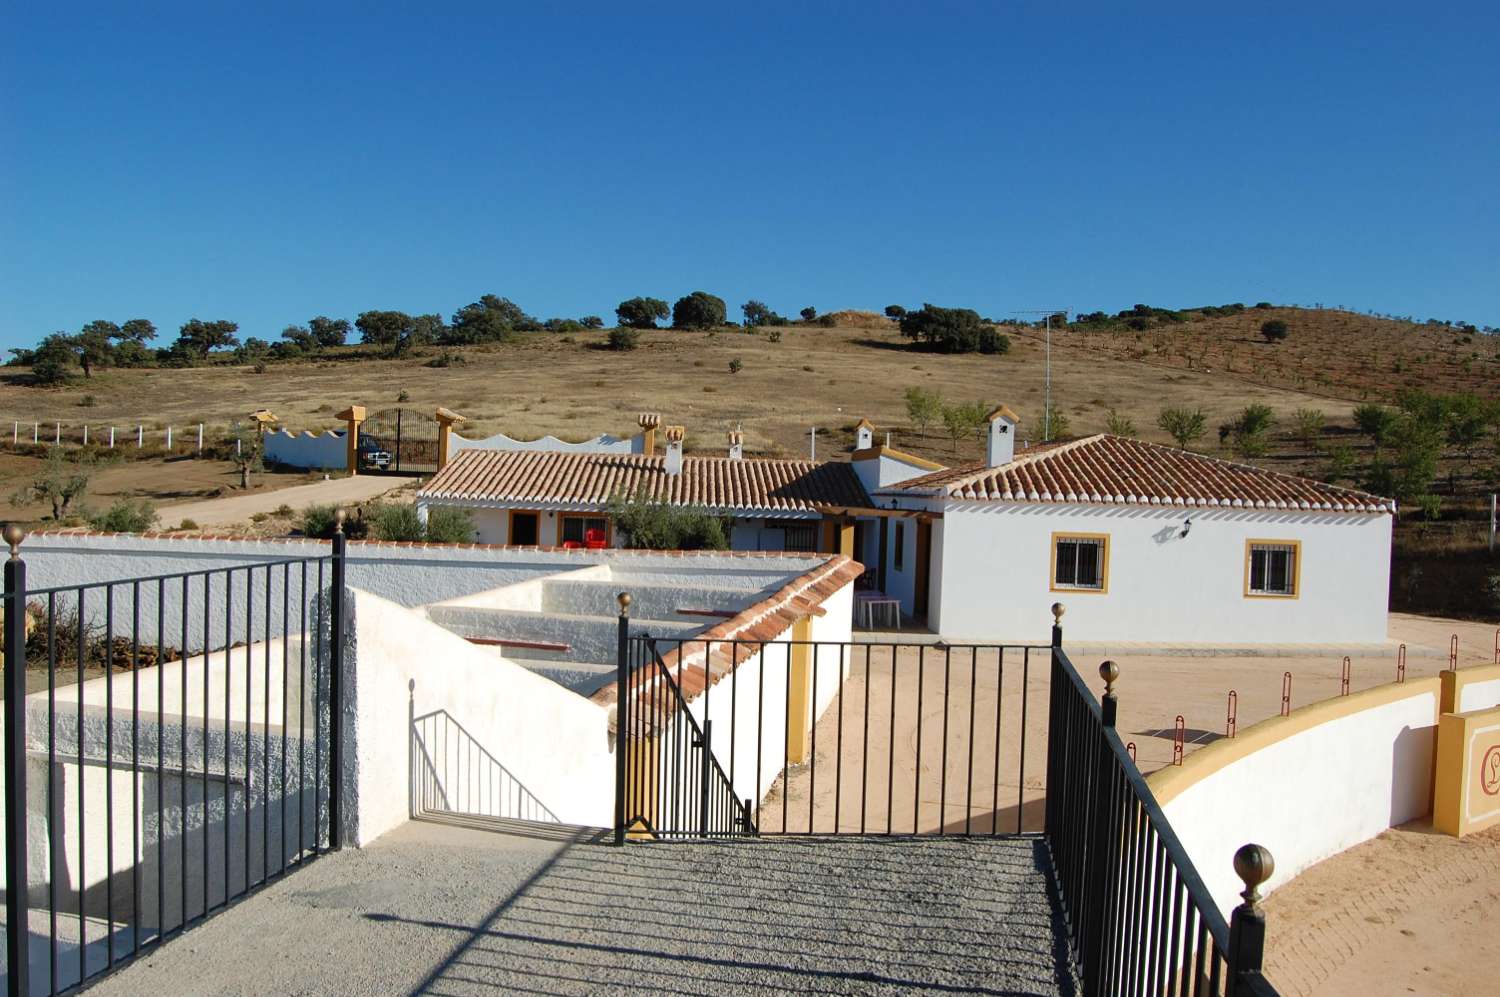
{"x":325,"y":450}
{"x":1317,"y":791}
{"x":604,"y":443}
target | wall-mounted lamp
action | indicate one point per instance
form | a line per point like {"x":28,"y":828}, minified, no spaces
{"x":1187,"y":524}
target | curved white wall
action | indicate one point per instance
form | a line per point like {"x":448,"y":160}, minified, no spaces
{"x":1310,"y":785}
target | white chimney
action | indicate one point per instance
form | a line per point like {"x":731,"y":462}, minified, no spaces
{"x":736,"y":444}
{"x":674,"y":436}
{"x":1001,"y":448}
{"x":864,"y":435}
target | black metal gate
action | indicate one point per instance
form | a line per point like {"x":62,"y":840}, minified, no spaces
{"x":730,"y":737}
{"x":409,"y":436}
{"x":171,"y":744}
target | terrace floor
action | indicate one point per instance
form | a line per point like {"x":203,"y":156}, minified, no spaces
{"x":456,"y":909}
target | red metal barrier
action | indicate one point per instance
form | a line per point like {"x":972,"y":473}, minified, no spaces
{"x":1401,"y":663}
{"x":1179,"y":737}
{"x":1286,"y":693}
{"x":1344,"y":676}
{"x":1232,"y":714}
{"x":1130,"y":747}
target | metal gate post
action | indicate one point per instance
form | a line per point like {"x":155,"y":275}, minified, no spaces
{"x":1254,"y":865}
{"x":704,"y":761}
{"x":336,"y":690}
{"x":622,"y":711}
{"x":17,"y":944}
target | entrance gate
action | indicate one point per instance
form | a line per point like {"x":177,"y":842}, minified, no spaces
{"x":408,"y":435}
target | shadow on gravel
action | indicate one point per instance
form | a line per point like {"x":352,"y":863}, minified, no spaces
{"x":845,"y":915}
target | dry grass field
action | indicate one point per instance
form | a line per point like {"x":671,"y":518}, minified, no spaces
{"x":571,"y":386}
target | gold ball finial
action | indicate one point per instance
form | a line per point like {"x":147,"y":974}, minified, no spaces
{"x":339,"y":517}
{"x":1058,"y":609}
{"x":1109,"y":672}
{"x":1254,"y":864}
{"x":624,"y":600}
{"x":13,"y":537}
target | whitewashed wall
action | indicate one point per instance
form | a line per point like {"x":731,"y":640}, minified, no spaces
{"x":551,"y":741}
{"x":600,"y":444}
{"x":318,"y":450}
{"x":997,"y":562}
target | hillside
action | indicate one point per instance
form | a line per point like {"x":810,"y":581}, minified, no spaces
{"x":571,"y":386}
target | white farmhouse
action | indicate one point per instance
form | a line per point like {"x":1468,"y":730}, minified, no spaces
{"x":1143,"y":542}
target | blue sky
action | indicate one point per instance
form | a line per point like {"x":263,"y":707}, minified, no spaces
{"x":268,"y":163}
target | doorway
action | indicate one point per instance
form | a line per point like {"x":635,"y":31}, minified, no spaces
{"x":924,"y":568}
{"x":525,"y":527}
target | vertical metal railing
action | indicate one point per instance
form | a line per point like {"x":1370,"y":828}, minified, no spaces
{"x":1139,"y":918}
{"x":829,"y":738}
{"x":192,"y":756}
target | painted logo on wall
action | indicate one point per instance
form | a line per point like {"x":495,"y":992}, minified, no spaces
{"x":1489,"y":771}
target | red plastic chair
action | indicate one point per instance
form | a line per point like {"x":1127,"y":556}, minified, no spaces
{"x":595,"y":539}
{"x":572,"y":545}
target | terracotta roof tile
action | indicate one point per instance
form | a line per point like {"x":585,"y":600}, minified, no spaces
{"x":589,"y":479}
{"x":1115,"y":470}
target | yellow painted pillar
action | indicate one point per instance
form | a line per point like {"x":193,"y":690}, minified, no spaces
{"x":445,"y":420}
{"x":799,"y":704}
{"x":846,"y":537}
{"x":642,"y":779}
{"x":353,"y":416}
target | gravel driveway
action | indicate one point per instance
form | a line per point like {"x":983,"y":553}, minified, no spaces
{"x":453,"y":910}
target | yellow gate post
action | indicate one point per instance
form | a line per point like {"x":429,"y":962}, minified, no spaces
{"x":352,"y":416}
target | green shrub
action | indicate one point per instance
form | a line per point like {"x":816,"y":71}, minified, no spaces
{"x":395,"y":522}
{"x":449,"y":525}
{"x":774,"y":336}
{"x":736,"y":365}
{"x":1275,"y":330}
{"x":188,"y":524}
{"x":126,"y":516}
{"x":87,"y":401}
{"x":624,"y":338}
{"x":1309,"y":426}
{"x":947,"y":330}
{"x":1118,"y":425}
{"x":699,"y":310}
{"x":641,"y":313}
{"x":993,"y":341}
{"x":644,"y":524}
{"x":1183,"y":425}
{"x":318,"y":521}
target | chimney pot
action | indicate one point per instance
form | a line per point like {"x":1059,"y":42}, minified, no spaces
{"x":1001,"y":448}
{"x":674,"y":435}
{"x":736,"y":444}
{"x":864,"y":435}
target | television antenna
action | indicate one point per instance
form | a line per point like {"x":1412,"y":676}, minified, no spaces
{"x":1047,"y":314}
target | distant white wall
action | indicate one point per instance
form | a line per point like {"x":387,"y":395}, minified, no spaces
{"x":997,"y":564}
{"x":599,"y":444}
{"x":325,"y":450}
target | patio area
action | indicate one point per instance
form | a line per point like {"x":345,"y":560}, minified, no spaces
{"x":447,"y":908}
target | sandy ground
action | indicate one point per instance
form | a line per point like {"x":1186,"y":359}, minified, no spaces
{"x":1411,"y":911}
{"x":234,"y":509}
